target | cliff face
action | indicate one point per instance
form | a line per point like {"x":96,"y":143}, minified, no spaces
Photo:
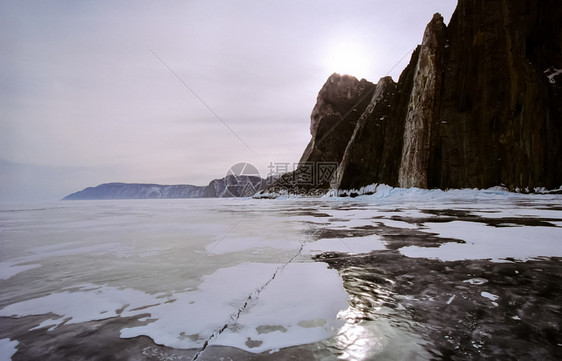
{"x":422,"y":110}
{"x":479,"y":105}
{"x":339,"y":105}
{"x":500,"y":118}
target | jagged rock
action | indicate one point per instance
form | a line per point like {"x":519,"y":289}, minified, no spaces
{"x":421,"y":108}
{"x":234,"y":186}
{"x":479,"y":105}
{"x":377,"y":139}
{"x":499,"y":119}
{"x":340,"y":103}
{"x":365,"y":151}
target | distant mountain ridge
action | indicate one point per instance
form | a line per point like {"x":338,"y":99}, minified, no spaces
{"x":137,"y":191}
{"x":227,"y":187}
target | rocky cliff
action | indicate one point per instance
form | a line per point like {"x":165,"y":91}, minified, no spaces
{"x":340,"y":105}
{"x":479,"y":105}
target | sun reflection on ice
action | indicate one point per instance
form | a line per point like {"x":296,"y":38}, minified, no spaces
{"x":355,"y":341}
{"x":381,"y":338}
{"x":376,"y":324}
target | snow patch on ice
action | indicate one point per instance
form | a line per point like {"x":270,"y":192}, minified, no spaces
{"x":298,"y":307}
{"x":82,"y":304}
{"x":8,"y":348}
{"x":304,"y":300}
{"x":10,"y":269}
{"x":397,"y":224}
{"x":489,"y":295}
{"x":476,"y":281}
{"x":486,"y":242}
{"x":303,"y":291}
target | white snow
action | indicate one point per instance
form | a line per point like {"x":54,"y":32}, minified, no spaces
{"x":301,"y":293}
{"x":486,"y":242}
{"x":489,"y":295}
{"x":304,"y":301}
{"x":476,"y":281}
{"x":10,"y":269}
{"x":8,"y":348}
{"x":417,"y":195}
{"x":299,"y":306}
{"x":397,"y":224}
{"x":86,"y":303}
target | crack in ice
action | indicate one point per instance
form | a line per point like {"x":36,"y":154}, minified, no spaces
{"x":252,"y":298}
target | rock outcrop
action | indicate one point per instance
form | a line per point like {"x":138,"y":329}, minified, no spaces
{"x":422,"y":107}
{"x":234,"y":186}
{"x":499,"y":116}
{"x":479,"y":105}
{"x":340,"y":103}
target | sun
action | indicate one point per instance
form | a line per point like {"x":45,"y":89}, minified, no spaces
{"x":346,"y":57}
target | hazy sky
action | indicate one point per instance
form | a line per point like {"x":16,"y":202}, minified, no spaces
{"x":89,"y":90}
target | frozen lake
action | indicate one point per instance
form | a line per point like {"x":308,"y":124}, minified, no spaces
{"x":334,"y":278}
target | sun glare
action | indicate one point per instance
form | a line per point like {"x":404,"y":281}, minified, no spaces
{"x":348,"y":58}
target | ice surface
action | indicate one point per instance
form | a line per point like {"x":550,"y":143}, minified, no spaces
{"x":239,"y":244}
{"x":187,"y":268}
{"x":299,"y":306}
{"x":345,"y":245}
{"x":301,"y":293}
